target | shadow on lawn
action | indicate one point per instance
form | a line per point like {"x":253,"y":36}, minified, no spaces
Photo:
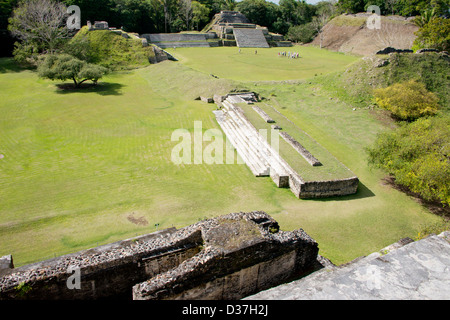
{"x":10,"y":65}
{"x":102,"y":88}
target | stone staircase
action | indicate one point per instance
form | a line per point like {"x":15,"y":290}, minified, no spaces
{"x":251,"y":146}
{"x":250,"y":38}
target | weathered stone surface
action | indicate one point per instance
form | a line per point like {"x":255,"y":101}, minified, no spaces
{"x":263,"y":160}
{"x":207,"y":99}
{"x":415,"y":270}
{"x":300,"y":149}
{"x":263,"y":115}
{"x":243,"y":253}
{"x":6,"y":263}
{"x":250,"y":38}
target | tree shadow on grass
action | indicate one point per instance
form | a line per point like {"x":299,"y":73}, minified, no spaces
{"x":434,"y":207}
{"x":101,"y":88}
{"x":10,"y":65}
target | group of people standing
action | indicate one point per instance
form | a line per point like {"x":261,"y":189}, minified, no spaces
{"x":290,"y":55}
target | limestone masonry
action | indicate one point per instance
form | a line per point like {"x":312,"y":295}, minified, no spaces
{"x":264,"y":161}
{"x":227,"y":257}
{"x":228,"y":28}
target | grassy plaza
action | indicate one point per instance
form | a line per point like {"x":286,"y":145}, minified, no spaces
{"x":91,"y":166}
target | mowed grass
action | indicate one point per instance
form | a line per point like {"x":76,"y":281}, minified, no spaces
{"x":265,"y":65}
{"x":93,"y":166}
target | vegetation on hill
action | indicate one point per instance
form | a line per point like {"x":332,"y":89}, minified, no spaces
{"x":357,"y":82}
{"x":109,"y":49}
{"x":414,"y":153}
{"x":434,"y":34}
{"x":407,"y":100}
{"x":417,"y":154}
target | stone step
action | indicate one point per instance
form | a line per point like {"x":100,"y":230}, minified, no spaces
{"x":250,"y":38}
{"x":277,"y":165}
{"x":166,"y":45}
{"x":237,"y":139}
{"x":248,"y":150}
{"x":258,"y":168}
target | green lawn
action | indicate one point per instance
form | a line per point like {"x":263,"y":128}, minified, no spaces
{"x":266,"y":65}
{"x":93,"y":166}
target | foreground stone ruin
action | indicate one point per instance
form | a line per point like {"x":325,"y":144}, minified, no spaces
{"x":228,"y":257}
{"x":406,"y":270}
{"x":264,"y":161}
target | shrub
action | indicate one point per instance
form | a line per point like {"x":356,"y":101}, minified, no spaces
{"x":408,"y":100}
{"x":302,"y":33}
{"x":434,"y":34}
{"x":417,"y":156}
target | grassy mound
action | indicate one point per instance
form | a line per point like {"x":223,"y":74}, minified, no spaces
{"x":357,"y":83}
{"x":110,"y":49}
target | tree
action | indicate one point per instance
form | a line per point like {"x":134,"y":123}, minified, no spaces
{"x":319,"y":22}
{"x":303,"y":33}
{"x":407,"y":101}
{"x":200,"y":13}
{"x":39,"y":24}
{"x":259,"y":12}
{"x":417,"y":156}
{"x":65,"y":67}
{"x":435,"y":34}
{"x":186,"y":12}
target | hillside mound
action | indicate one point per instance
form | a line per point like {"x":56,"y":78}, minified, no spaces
{"x":380,"y":71}
{"x":349,"y":33}
{"x":115,"y":50}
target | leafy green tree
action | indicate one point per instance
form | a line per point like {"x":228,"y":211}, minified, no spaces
{"x":302,"y":33}
{"x":65,"y":67}
{"x":200,"y":14}
{"x":417,"y":156}
{"x":259,"y":12}
{"x":408,"y":100}
{"x":434,"y":34}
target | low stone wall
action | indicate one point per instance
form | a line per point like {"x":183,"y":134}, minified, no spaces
{"x":174,"y":37}
{"x":330,"y":188}
{"x":240,"y":247}
{"x":300,"y":149}
{"x":243,"y":253}
{"x":262,"y":160}
{"x":107,"y":271}
{"x":263,"y":115}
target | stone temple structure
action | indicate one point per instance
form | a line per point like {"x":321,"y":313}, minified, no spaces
{"x":227,"y":28}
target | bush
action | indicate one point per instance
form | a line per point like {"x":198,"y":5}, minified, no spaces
{"x":408,"y":100}
{"x":435,"y":34}
{"x":303,"y":33}
{"x":417,"y":156}
{"x":64,"y":67}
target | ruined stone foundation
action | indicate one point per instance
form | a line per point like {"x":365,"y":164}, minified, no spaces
{"x":228,"y":257}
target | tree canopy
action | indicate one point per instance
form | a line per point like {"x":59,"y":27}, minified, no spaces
{"x":66,"y":67}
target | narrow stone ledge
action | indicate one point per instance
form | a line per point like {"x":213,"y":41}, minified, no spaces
{"x":300,"y":149}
